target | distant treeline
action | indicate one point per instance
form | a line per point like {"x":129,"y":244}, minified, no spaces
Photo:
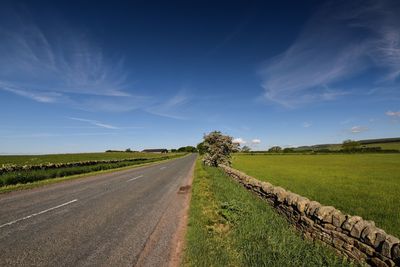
{"x":382,"y":145}
{"x":381,"y":140}
{"x":188,"y":149}
{"x":128,"y":150}
{"x":359,"y":142}
{"x":324,"y":151}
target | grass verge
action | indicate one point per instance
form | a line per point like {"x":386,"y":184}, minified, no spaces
{"x":229,"y":226}
{"x":366,"y":185}
{"x":23,"y":186}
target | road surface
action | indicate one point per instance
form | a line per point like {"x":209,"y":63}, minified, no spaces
{"x":125,"y":218}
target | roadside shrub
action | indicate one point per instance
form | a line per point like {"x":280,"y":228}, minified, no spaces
{"x":218,"y":149}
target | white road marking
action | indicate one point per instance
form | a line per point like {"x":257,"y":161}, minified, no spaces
{"x":162,"y":168}
{"x":132,"y":179}
{"x":38,"y":213}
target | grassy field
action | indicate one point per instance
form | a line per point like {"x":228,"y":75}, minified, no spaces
{"x":63,"y":158}
{"x":229,"y":226}
{"x":367,"y":185}
{"x":23,"y":176}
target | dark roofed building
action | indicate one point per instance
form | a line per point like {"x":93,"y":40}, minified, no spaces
{"x":157,"y":150}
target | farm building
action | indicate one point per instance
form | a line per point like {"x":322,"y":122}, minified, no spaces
{"x":161,"y":150}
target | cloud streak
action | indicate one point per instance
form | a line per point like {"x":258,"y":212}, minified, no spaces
{"x":393,"y":113}
{"x":39,"y":96}
{"x":47,"y":135}
{"x":342,"y":40}
{"x":358,"y":129}
{"x":96,"y":123}
{"x":171,"y":106}
{"x":239,"y":141}
{"x":256,"y":141}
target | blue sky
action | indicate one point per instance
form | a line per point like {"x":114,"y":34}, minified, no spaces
{"x":92,"y":76}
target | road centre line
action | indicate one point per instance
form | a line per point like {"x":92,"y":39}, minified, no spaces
{"x":132,"y":179}
{"x":162,"y":168}
{"x":38,"y":213}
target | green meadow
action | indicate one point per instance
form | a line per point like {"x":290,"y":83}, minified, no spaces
{"x":367,"y":185}
{"x":229,"y":226}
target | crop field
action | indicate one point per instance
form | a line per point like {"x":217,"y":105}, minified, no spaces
{"x":229,"y":226}
{"x":367,"y":185}
{"x":27,"y":169}
{"x":63,"y":158}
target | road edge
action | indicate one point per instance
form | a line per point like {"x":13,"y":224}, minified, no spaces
{"x":176,"y":216}
{"x":179,"y":240}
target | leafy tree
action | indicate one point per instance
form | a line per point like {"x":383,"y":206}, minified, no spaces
{"x":245,"y":149}
{"x":173,"y":150}
{"x":275,"y":149}
{"x":288,"y":150}
{"x":200,"y":147}
{"x":190,"y":149}
{"x":218,"y":149}
{"x":350,"y":145}
{"x":128,"y":150}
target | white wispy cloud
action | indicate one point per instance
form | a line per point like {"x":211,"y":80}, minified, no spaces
{"x":239,"y":141}
{"x":256,"y":141}
{"x":72,"y":70}
{"x":61,"y":65}
{"x":307,"y":124}
{"x":172,"y":107}
{"x":341,"y":40}
{"x":393,"y":113}
{"x":39,"y":96}
{"x":96,"y":123}
{"x":47,"y":135}
{"x":358,"y":129}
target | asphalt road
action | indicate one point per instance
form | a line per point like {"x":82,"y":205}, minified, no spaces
{"x":124,"y":218}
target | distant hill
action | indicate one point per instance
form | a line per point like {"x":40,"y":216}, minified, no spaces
{"x":384,"y":143}
{"x":381,"y":140}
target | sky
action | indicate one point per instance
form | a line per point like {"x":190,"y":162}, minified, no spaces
{"x":81,"y":76}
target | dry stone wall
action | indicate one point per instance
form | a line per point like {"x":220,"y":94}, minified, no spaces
{"x":353,"y":236}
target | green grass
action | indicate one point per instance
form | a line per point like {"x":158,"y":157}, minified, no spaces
{"x":229,"y":226}
{"x":367,"y":185}
{"x":63,"y":158}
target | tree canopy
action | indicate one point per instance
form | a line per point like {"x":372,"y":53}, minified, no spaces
{"x":350,"y":145}
{"x":275,"y":149}
{"x":245,"y":149}
{"x":190,"y":149}
{"x":218,"y":149}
